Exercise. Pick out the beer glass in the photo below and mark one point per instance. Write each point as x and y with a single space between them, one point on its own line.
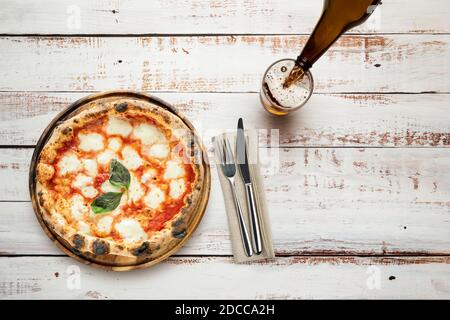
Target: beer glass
288 84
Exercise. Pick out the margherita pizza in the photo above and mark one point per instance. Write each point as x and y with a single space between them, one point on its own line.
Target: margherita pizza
120 179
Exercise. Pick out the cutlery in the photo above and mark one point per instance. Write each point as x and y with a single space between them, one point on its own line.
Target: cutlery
242 160
228 167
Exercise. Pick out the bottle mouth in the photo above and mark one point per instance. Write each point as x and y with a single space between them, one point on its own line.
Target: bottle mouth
303 63
295 75
290 97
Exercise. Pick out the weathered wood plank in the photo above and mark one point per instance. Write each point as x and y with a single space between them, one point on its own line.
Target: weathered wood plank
328 120
383 63
200 16
286 278
321 201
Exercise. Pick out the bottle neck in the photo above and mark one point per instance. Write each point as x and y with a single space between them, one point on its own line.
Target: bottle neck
303 63
337 17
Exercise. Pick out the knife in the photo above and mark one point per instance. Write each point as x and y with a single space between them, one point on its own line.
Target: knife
242 160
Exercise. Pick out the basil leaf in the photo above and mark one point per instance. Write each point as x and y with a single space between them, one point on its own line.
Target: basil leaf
119 176
106 202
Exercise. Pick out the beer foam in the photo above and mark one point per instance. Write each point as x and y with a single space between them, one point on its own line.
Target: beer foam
293 96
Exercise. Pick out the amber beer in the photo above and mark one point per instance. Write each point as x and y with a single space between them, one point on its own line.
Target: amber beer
287 84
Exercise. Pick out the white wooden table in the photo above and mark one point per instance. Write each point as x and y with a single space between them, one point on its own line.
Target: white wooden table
360 207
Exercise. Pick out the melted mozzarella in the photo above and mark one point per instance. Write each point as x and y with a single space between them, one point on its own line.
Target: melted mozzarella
148 175
104 224
135 191
58 218
81 180
154 197
83 183
148 134
69 163
130 230
174 169
83 227
158 151
108 187
115 144
118 126
90 165
89 192
91 142
131 158
177 188
105 157
123 201
77 207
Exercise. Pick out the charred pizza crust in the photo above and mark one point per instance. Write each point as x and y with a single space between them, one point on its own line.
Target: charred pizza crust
109 249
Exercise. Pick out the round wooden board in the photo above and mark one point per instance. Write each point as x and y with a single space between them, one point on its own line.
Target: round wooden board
109 263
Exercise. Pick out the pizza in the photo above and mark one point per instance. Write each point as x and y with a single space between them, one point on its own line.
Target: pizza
120 180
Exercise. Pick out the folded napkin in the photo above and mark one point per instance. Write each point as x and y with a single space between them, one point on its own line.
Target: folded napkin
236 241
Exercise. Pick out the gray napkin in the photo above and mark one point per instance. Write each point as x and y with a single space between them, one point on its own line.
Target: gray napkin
236 241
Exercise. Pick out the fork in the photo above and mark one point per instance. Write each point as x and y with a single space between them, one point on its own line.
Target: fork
228 167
